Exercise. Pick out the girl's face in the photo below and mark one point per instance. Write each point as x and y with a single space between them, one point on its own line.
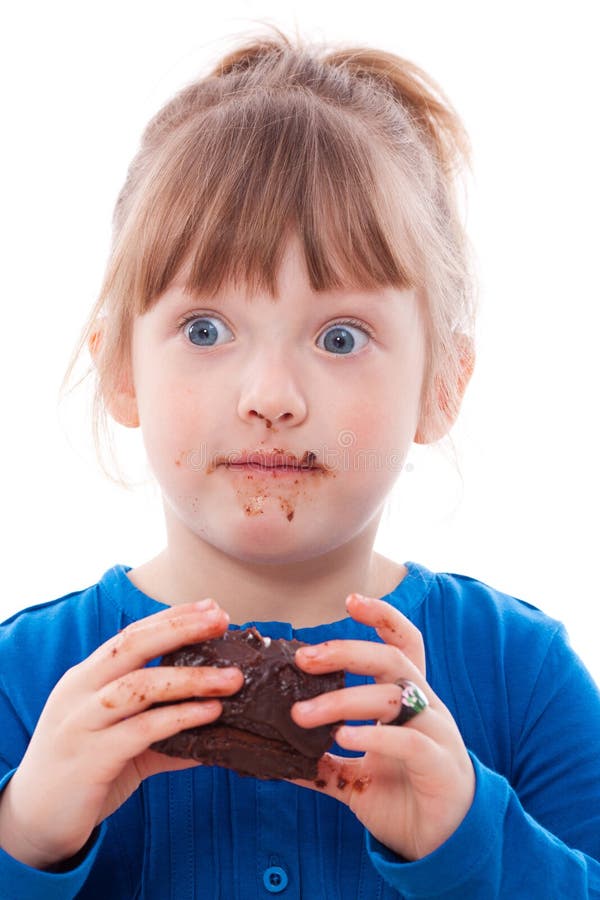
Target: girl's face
278 378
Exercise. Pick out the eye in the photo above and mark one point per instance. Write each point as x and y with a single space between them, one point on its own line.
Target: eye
200 329
339 336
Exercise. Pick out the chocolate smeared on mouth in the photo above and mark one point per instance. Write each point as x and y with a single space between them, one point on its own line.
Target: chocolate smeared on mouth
309 459
275 458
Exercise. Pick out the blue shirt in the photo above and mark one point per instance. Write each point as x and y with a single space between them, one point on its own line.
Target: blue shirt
528 711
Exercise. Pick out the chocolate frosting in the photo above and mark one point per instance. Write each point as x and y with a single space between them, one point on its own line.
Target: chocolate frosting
255 734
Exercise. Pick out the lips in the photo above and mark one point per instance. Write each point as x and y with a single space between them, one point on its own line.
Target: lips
274 459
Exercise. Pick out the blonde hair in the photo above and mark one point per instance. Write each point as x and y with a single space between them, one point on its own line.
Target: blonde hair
353 148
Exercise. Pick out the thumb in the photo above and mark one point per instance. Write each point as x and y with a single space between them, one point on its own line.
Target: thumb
337 776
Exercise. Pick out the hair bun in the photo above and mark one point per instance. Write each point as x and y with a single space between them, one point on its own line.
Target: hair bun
250 53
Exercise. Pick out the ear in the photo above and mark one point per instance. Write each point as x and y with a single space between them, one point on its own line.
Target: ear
426 433
119 395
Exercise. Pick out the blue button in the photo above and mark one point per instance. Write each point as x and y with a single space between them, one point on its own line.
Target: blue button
275 879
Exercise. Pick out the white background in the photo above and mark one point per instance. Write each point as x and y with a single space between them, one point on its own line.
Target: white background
80 81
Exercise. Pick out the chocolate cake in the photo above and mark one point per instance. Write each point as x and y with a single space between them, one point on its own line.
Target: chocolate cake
255 734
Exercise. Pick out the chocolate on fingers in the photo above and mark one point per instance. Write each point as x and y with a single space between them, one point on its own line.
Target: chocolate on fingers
145 639
142 688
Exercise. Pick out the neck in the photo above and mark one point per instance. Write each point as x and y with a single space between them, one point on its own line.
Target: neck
305 593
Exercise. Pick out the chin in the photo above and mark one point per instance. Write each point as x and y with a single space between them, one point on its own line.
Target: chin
269 544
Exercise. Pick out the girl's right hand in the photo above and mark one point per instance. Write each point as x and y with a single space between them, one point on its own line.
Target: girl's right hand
90 749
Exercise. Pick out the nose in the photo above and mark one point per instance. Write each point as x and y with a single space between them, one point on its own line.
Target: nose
270 392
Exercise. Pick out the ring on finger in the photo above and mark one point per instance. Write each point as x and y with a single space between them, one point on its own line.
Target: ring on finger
412 703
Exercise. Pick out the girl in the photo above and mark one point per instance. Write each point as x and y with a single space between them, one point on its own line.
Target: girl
287 306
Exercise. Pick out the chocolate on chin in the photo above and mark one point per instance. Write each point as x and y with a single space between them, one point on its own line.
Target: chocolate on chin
255 734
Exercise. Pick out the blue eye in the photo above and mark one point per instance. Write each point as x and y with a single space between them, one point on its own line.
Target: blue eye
340 340
201 331
343 339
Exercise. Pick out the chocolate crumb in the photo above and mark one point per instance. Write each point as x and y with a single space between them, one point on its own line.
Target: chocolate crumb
341 783
361 783
385 623
320 783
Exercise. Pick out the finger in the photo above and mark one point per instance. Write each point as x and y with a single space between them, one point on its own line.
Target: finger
420 753
337 776
364 658
381 661
390 624
153 636
135 735
376 701
142 688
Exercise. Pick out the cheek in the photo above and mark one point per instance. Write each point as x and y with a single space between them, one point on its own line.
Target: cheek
385 418
175 422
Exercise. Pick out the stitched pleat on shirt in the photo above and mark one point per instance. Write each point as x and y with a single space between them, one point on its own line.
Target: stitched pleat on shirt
212 836
237 840
319 841
181 837
159 858
242 811
339 850
303 822
365 877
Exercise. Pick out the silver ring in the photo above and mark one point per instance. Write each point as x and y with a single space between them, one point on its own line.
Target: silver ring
413 702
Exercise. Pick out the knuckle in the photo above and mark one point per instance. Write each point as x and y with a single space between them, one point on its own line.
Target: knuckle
71 676
106 699
412 740
416 640
178 620
399 656
146 724
119 643
177 684
126 682
69 683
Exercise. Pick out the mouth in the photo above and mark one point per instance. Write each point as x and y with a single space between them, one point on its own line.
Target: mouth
274 470
274 461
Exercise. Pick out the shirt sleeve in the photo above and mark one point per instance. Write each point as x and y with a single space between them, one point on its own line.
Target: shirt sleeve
536 835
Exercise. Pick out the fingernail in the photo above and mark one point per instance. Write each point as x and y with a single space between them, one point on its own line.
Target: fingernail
205 604
309 652
307 706
214 614
229 673
358 597
347 733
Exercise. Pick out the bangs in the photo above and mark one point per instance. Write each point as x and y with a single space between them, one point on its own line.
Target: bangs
230 186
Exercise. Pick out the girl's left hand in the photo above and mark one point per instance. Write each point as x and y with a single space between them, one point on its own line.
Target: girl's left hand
416 782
